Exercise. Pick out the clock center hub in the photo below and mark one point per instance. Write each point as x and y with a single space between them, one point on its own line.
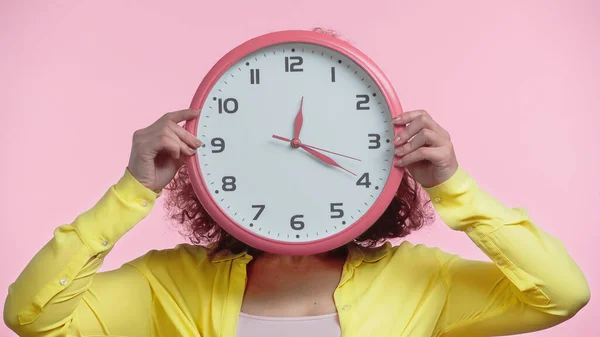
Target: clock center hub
295 143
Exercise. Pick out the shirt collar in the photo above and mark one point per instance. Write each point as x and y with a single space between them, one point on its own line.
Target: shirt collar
356 254
226 255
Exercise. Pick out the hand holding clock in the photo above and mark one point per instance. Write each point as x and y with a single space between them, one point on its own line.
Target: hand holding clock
429 156
158 150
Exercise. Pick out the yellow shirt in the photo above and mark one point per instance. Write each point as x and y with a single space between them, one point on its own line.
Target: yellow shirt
408 290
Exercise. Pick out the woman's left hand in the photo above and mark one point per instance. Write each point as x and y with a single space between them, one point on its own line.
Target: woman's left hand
429 156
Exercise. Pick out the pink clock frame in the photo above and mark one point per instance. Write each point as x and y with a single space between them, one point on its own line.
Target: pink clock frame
221 217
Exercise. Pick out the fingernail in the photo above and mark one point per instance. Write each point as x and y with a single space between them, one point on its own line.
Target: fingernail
398 151
397 140
198 142
398 162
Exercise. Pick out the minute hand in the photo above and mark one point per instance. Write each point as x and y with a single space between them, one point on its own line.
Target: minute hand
316 148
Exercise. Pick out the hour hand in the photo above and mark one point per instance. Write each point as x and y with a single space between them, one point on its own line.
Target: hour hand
298 121
324 158
313 151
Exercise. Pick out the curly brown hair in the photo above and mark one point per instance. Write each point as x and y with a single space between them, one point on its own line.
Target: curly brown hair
409 210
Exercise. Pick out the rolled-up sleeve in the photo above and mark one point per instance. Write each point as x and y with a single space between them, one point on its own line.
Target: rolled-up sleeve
531 282
49 291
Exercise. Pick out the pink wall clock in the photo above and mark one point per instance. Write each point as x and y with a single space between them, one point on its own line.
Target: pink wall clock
298 156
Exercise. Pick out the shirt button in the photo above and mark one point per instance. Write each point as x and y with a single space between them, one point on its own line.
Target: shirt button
501 262
346 307
470 229
64 281
144 203
437 200
105 243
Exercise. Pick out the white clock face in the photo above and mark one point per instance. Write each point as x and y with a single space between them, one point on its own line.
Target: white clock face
271 188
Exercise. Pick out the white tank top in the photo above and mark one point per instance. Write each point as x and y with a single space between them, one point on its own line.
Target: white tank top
306 326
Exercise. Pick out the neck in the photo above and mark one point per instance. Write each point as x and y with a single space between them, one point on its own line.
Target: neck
292 260
299 261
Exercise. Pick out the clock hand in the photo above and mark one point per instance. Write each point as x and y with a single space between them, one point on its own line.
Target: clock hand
298 121
323 158
297 143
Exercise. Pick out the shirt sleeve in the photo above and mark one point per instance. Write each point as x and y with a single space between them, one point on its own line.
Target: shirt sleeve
531 282
59 291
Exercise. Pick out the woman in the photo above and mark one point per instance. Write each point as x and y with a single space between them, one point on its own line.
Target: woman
227 289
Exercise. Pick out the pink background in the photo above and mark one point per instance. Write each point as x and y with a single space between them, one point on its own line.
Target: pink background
517 86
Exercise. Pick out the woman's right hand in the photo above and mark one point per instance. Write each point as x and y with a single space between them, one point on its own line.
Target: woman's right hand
159 150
